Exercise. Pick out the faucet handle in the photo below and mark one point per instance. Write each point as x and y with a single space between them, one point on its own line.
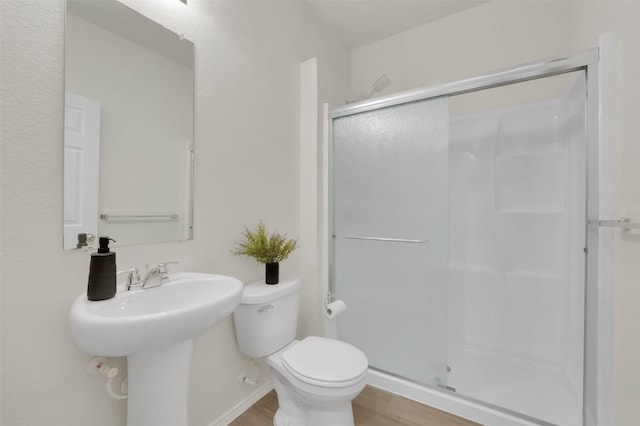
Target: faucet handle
133 276
163 266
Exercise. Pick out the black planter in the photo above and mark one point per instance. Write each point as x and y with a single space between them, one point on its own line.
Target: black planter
272 272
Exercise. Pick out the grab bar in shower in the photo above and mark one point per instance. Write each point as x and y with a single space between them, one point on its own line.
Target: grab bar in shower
624 223
391 240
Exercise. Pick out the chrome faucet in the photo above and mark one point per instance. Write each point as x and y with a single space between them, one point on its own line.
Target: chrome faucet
133 278
161 272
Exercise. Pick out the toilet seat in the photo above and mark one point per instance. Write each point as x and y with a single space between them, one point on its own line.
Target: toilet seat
325 362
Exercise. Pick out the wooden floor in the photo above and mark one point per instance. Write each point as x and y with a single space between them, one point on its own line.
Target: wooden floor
373 407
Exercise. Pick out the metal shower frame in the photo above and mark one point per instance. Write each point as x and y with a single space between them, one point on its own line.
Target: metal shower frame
595 384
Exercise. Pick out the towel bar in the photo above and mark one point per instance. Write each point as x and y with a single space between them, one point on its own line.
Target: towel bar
392 240
624 223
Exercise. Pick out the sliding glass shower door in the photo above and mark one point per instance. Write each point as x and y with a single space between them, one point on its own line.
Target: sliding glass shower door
390 242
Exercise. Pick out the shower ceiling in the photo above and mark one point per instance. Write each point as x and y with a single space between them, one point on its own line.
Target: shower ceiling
360 22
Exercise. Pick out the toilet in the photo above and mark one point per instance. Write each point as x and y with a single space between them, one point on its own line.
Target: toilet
315 378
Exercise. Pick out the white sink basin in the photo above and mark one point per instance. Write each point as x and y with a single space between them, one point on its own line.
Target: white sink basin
154 328
181 309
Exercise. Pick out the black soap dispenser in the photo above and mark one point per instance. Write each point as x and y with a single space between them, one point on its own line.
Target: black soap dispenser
102 272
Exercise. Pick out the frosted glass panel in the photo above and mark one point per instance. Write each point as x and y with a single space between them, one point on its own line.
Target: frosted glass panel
390 173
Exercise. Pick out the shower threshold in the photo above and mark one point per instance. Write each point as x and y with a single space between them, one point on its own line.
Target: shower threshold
452 402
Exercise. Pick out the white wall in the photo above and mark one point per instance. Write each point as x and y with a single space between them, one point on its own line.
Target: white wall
247 56
501 34
319 84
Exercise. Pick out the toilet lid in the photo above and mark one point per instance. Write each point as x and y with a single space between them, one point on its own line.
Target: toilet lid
325 360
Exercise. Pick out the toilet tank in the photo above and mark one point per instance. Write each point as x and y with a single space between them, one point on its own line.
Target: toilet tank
267 317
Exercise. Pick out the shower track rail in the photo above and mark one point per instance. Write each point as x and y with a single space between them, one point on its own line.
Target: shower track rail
522 73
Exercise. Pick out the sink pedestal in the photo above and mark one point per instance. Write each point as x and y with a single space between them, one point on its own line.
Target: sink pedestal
159 385
154 328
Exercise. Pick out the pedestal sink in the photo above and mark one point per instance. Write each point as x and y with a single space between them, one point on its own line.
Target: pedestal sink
154 328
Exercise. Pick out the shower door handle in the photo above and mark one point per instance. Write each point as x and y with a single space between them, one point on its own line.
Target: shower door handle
385 239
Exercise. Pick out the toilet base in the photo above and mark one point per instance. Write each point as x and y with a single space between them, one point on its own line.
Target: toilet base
295 409
338 416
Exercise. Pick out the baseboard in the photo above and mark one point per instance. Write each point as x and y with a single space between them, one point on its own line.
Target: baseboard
241 407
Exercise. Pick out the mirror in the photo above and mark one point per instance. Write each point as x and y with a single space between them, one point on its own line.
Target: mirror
128 127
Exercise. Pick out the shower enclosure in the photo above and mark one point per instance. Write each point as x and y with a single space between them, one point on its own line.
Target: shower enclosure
458 224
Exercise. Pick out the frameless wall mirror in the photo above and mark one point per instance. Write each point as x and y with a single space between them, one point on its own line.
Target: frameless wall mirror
128 127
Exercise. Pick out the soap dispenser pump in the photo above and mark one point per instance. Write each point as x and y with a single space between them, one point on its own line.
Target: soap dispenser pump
102 272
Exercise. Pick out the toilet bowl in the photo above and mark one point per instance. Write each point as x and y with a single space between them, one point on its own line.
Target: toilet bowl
315 378
313 389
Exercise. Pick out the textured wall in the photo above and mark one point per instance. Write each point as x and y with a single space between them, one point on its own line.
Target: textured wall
246 133
501 34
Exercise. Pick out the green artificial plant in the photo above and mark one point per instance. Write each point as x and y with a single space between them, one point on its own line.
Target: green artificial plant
265 247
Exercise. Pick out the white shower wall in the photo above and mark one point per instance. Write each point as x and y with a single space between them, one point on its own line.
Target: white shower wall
516 278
